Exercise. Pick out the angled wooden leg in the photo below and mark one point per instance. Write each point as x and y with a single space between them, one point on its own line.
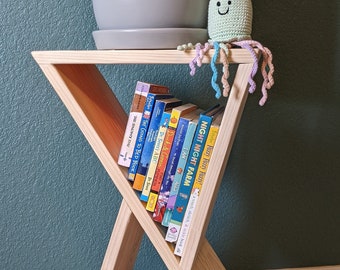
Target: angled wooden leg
206 258
125 240
124 243
225 139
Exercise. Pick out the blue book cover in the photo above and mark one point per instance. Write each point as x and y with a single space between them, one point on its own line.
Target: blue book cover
190 170
170 169
143 128
189 136
161 105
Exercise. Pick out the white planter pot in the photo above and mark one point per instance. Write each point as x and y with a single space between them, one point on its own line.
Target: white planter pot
144 24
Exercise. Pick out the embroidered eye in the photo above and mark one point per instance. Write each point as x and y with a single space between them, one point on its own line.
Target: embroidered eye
229 2
218 3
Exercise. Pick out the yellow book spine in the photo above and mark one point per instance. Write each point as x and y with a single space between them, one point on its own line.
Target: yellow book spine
206 155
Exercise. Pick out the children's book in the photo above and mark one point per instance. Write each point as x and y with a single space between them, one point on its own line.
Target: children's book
151 98
160 106
190 170
155 155
134 119
198 183
176 113
171 166
189 136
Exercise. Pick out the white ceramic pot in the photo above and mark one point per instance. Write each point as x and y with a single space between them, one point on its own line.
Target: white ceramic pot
127 14
143 24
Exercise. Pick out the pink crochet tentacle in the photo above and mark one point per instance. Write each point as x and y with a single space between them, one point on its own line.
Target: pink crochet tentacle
271 69
264 91
265 78
268 80
267 61
265 58
225 62
204 49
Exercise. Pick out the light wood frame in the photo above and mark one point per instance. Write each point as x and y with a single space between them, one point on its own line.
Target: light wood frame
101 118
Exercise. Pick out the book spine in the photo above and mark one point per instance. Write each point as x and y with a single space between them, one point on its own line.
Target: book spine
160 107
170 170
141 136
184 227
163 159
160 169
197 186
132 126
179 173
143 129
155 156
135 116
148 146
188 178
153 88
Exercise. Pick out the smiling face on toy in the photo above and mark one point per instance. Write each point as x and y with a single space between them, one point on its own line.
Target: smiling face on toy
230 20
223 10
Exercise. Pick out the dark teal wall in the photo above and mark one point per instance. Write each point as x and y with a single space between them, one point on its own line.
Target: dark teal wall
279 203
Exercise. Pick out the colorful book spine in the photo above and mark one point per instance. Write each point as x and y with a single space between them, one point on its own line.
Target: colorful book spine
155 156
170 169
197 186
190 171
151 98
165 152
134 119
160 106
189 136
173 161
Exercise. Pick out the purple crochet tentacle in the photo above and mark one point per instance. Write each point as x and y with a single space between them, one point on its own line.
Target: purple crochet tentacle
193 62
268 80
255 68
245 45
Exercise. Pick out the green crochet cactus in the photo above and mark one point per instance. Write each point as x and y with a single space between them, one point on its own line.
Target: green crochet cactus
230 20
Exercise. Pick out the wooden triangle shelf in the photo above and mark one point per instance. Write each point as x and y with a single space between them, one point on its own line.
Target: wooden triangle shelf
101 118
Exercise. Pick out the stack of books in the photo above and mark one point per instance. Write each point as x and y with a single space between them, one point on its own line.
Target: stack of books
167 148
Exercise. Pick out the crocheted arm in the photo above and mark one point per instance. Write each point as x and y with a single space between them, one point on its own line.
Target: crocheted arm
230 24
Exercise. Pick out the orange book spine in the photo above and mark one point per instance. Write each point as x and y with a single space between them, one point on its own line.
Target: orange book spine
160 169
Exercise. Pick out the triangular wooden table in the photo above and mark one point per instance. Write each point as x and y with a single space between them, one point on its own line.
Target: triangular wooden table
101 118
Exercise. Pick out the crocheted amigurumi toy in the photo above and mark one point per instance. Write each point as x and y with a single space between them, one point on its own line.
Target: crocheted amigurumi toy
230 25
230 20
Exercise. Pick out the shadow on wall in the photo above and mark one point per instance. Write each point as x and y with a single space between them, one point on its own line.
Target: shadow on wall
284 165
